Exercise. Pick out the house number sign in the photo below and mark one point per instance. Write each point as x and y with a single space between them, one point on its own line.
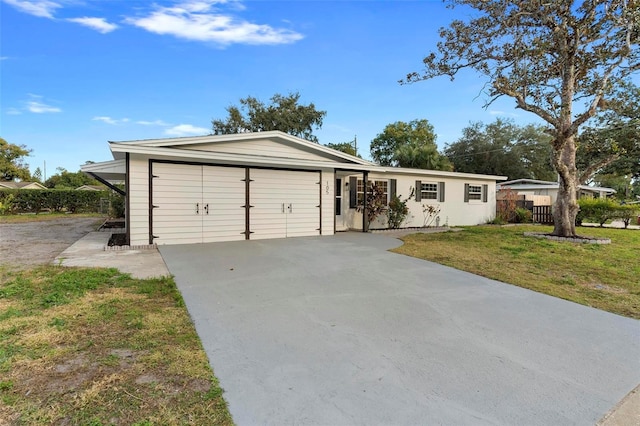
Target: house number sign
327 188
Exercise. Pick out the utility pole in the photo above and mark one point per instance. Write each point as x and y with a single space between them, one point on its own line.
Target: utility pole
355 145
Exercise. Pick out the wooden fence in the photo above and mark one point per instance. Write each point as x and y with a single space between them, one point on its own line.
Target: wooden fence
542 214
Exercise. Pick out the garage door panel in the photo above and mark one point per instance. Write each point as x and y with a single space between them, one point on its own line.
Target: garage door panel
284 199
176 190
223 192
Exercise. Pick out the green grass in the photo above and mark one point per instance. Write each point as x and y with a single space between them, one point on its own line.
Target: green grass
606 277
94 346
32 217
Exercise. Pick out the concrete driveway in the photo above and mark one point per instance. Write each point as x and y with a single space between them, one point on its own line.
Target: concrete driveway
337 330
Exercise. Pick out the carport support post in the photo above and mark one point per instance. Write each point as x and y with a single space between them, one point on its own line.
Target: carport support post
365 222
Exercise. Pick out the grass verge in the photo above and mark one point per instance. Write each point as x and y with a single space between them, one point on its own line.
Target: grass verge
606 277
96 347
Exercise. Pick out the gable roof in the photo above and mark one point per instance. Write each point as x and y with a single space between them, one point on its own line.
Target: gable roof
22 185
157 146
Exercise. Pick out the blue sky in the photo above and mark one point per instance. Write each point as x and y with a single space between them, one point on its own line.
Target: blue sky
78 73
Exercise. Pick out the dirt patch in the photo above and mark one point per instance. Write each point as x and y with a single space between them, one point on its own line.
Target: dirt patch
39 242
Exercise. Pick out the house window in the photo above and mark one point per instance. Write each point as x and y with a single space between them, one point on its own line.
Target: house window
429 191
382 184
475 192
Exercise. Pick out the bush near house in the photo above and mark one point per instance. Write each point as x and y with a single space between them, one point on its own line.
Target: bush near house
72 201
601 210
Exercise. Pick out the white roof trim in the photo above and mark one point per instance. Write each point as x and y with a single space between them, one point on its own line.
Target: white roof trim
113 166
195 140
550 185
256 160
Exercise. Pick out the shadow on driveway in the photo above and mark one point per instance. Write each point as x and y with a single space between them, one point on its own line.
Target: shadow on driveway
337 330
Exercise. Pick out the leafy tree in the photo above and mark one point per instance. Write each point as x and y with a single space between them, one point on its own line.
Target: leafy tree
503 148
284 114
37 175
411 144
346 147
12 165
612 146
559 59
68 180
418 156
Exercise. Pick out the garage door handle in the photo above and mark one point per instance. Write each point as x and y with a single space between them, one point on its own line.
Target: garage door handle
290 208
282 207
197 208
206 208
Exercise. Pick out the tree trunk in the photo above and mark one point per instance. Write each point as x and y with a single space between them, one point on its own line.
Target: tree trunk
566 206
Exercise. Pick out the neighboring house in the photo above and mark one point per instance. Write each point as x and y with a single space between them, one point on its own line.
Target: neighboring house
532 187
91 188
270 185
21 185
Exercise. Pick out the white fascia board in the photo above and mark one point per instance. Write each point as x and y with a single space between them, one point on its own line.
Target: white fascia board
231 159
195 140
436 173
113 166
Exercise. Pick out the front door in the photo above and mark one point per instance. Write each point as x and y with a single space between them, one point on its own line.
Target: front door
339 206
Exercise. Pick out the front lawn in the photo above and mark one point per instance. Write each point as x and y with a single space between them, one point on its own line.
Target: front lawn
96 347
606 277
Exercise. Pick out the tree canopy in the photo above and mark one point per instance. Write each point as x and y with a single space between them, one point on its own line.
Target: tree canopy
346 147
284 113
559 59
503 148
612 146
69 180
12 165
411 144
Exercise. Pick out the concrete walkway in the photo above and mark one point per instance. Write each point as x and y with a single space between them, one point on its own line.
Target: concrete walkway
90 251
337 330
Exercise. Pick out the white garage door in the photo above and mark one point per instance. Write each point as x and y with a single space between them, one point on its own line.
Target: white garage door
284 204
195 204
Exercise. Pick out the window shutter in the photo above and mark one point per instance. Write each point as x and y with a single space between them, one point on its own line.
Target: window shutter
485 190
392 188
418 190
353 195
466 192
441 192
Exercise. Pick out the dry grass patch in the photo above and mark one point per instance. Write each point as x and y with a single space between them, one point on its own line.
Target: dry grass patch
606 277
93 346
31 217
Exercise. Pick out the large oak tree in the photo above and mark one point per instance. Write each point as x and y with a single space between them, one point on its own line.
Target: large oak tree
285 113
559 59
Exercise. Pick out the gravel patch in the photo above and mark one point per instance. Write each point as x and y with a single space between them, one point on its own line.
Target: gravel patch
36 243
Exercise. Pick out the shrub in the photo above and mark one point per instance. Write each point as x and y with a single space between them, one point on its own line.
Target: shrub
37 200
6 204
397 212
599 210
626 213
522 215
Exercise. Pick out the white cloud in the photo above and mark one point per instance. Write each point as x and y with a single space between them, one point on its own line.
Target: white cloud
200 21
109 120
14 111
40 8
152 123
98 24
37 106
2 58
186 129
